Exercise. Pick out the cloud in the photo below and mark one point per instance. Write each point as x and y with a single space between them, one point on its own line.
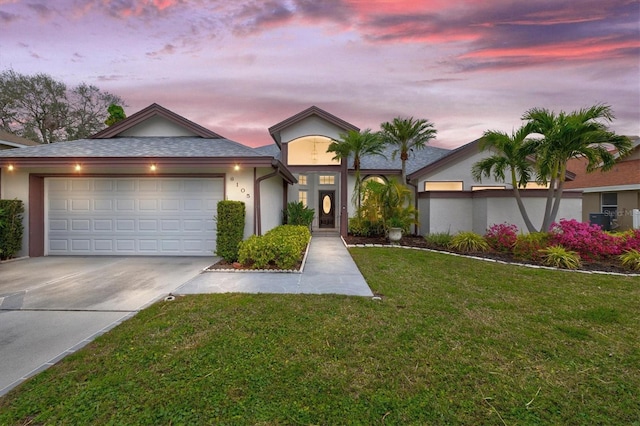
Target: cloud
168 49
257 17
42 10
8 18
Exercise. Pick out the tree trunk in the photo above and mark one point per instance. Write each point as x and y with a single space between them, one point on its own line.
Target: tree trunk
521 207
558 197
549 203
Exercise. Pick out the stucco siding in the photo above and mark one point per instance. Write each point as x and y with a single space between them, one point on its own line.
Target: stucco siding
15 185
157 126
460 171
310 126
450 215
270 201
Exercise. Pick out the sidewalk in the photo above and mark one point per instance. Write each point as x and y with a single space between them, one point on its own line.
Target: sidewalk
329 269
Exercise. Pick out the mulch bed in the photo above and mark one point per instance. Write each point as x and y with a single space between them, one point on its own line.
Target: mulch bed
223 265
420 242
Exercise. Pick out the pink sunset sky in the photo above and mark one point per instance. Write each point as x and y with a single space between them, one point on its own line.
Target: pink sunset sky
238 67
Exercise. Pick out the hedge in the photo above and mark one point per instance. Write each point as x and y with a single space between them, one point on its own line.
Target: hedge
11 228
280 248
230 229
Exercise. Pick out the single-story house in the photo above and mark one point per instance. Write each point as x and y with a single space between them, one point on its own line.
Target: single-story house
149 185
614 193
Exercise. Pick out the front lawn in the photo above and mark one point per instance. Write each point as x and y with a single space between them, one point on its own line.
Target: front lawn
453 341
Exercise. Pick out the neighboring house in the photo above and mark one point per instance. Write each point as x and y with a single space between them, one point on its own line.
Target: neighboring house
10 141
615 193
148 185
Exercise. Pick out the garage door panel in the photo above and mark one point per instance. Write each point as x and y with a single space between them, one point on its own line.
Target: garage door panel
83 205
143 216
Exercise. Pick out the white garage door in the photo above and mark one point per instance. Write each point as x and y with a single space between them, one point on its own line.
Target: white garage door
132 216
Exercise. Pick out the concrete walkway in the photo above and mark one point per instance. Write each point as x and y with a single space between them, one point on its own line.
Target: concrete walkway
329 269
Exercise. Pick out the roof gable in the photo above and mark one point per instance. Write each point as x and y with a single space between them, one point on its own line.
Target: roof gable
276 129
15 141
150 113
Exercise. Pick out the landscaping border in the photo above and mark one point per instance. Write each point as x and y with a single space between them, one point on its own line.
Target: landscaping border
527 265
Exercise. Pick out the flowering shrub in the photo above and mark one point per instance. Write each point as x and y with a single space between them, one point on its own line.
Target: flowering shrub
530 246
589 241
502 237
630 240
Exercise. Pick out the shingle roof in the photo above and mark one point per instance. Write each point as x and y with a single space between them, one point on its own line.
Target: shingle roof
136 147
417 159
271 150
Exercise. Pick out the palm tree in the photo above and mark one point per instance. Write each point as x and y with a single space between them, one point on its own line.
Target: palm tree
356 145
581 133
511 154
407 134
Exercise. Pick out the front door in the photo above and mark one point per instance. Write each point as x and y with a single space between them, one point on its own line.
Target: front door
327 209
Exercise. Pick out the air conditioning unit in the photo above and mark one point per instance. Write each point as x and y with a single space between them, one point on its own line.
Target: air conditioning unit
636 218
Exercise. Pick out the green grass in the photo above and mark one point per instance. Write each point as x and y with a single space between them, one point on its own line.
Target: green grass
453 341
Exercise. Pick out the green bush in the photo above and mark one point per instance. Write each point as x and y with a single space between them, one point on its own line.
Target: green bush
279 248
559 257
360 227
298 214
230 229
438 239
466 242
631 259
11 229
529 246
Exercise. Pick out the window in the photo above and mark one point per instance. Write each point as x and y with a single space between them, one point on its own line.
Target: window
536 185
302 180
374 178
302 197
327 180
443 186
311 150
483 187
609 203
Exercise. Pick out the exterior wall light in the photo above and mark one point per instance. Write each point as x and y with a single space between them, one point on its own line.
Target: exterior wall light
78 167
153 167
10 167
236 167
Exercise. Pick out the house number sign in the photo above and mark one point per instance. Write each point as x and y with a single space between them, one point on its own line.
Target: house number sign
241 190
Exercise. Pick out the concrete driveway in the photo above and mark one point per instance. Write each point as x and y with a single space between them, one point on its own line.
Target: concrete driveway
52 306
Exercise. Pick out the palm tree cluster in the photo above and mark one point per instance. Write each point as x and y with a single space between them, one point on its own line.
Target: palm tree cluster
541 148
404 134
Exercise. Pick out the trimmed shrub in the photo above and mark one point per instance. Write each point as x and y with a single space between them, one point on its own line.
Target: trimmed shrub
279 248
529 246
502 237
11 229
298 214
466 242
230 229
560 257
